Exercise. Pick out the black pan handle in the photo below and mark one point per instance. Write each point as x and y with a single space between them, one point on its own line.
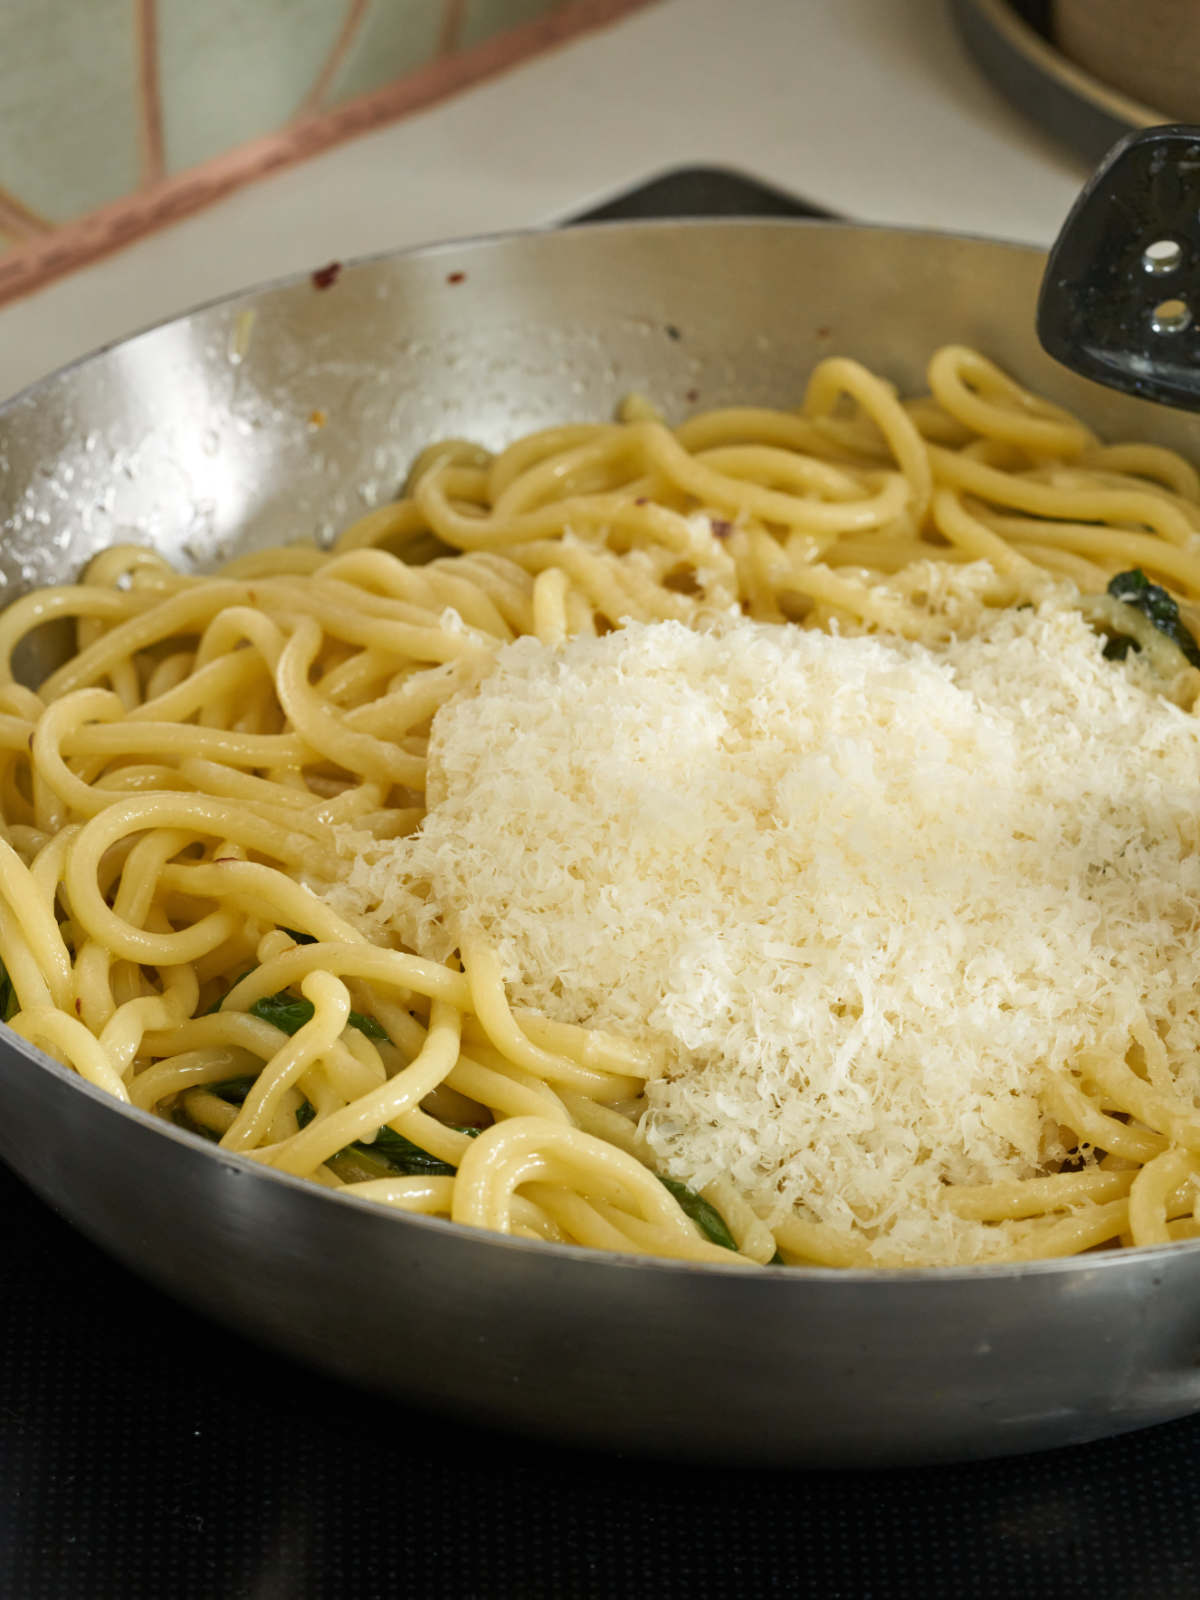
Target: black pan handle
1120 299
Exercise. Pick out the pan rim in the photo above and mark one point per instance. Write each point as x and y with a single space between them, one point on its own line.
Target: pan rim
480 242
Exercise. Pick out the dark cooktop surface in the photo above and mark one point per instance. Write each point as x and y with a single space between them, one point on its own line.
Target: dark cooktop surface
147 1455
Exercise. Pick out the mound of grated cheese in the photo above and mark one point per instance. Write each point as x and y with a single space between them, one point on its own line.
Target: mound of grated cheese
863 894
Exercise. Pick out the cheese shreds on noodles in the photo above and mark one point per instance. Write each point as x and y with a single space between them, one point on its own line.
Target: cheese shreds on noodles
864 895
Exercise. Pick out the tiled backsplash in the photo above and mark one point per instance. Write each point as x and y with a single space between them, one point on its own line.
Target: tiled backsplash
106 104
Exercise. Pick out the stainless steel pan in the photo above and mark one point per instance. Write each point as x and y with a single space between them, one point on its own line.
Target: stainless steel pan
201 436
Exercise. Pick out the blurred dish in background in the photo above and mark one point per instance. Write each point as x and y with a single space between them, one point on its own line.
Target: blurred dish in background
1019 46
1149 49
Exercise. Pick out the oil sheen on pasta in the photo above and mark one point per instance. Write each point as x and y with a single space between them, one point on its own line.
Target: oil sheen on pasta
762 839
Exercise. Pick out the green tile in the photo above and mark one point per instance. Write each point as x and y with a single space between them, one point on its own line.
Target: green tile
484 18
68 104
395 38
232 69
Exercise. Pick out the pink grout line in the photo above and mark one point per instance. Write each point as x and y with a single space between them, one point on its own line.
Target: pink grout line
355 16
453 15
150 119
16 218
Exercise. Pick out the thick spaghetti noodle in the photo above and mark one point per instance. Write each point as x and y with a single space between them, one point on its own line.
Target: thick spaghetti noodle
175 797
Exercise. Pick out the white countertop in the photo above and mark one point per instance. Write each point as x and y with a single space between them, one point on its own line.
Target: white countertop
868 107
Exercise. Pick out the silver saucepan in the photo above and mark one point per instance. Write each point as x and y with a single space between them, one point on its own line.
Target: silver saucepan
283 413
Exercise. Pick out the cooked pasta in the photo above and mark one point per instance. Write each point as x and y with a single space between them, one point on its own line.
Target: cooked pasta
192 800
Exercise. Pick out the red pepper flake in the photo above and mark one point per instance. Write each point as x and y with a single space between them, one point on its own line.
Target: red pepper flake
642 500
721 529
823 332
78 1007
692 396
220 861
326 277
456 277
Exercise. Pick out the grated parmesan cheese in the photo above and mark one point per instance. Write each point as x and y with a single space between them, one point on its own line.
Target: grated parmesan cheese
863 894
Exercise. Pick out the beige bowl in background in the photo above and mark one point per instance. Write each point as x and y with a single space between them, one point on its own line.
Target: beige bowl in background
1149 49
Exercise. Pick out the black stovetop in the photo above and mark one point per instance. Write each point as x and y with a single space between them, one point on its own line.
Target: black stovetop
148 1455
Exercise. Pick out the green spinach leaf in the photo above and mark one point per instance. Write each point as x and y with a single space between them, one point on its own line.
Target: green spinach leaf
9 1004
707 1218
397 1154
1158 606
289 1013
